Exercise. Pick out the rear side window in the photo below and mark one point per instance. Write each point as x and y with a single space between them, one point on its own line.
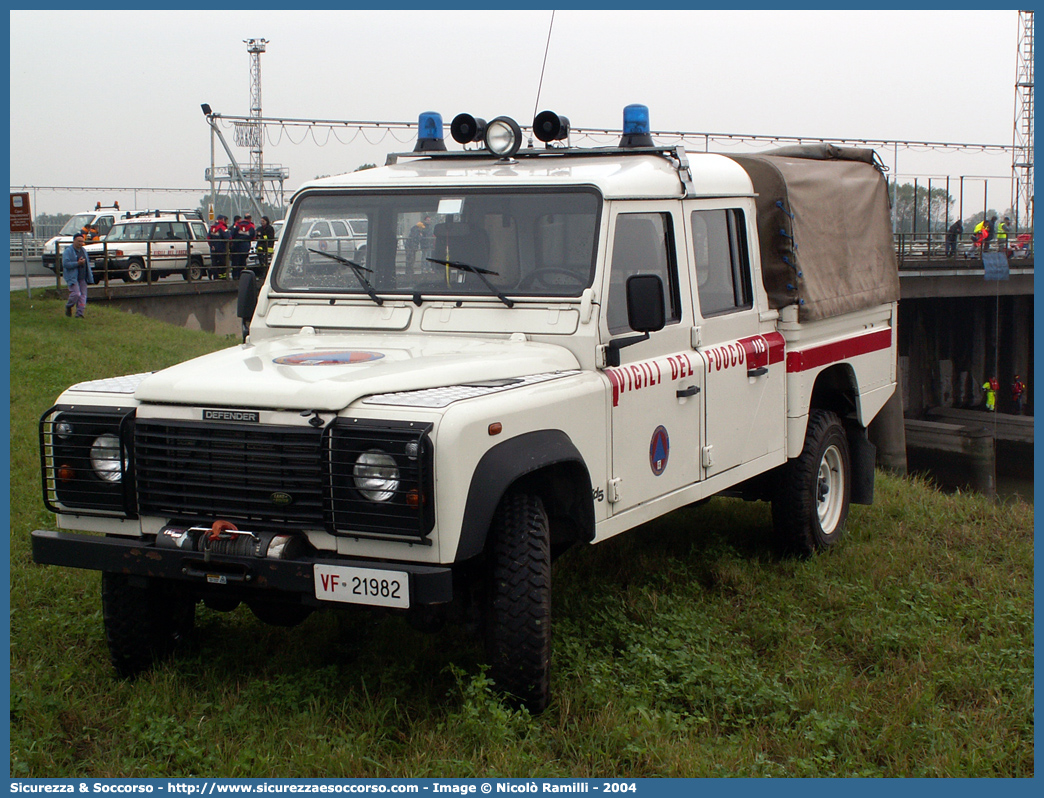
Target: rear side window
719 240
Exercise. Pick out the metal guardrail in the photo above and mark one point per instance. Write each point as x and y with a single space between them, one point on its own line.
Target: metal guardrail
921 248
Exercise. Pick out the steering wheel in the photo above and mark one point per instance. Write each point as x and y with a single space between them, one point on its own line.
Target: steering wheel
572 279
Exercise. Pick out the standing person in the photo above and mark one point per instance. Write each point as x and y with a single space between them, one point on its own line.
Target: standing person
416 240
1018 390
76 269
242 233
265 243
991 227
217 238
955 232
1002 233
979 234
991 387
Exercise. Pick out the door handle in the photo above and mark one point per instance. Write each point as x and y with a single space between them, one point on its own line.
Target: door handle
757 372
692 390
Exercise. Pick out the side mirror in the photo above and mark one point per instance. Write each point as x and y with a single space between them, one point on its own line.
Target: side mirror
247 301
645 305
645 313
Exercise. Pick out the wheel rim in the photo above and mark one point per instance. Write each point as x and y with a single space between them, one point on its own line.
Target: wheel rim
134 271
830 490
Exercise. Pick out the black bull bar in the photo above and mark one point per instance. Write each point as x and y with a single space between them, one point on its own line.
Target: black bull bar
429 584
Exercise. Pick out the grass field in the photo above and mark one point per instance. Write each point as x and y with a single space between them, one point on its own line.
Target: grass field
683 649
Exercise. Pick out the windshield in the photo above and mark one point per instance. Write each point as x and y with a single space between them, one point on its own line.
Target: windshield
75 224
427 243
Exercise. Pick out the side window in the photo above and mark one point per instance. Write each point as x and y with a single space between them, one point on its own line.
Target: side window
320 229
179 230
104 225
643 244
199 231
162 232
340 229
719 239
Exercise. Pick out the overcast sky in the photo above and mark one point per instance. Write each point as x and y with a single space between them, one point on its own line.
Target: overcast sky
123 108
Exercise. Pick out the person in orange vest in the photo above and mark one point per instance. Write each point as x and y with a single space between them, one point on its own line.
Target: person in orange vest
991 386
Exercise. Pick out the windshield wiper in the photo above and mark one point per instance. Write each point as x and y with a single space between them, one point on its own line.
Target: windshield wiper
357 270
478 272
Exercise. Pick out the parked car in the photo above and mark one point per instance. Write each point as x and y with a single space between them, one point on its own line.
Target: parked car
344 237
167 242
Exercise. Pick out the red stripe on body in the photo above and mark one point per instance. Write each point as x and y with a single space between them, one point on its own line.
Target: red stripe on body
816 356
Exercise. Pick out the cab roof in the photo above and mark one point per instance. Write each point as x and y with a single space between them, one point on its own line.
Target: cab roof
653 173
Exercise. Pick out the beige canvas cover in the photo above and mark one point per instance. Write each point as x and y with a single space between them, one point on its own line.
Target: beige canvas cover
825 229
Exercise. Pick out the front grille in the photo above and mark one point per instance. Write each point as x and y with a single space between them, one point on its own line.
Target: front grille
285 477
265 474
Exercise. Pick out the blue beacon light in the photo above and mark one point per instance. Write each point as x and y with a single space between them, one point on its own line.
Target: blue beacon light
429 133
636 127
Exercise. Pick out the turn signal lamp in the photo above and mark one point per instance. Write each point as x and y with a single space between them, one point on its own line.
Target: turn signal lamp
466 128
549 126
429 133
636 127
503 137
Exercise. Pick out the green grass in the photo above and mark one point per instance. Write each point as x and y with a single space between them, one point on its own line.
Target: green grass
684 648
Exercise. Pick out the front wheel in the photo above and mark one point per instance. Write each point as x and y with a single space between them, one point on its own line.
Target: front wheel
145 619
518 601
811 502
135 271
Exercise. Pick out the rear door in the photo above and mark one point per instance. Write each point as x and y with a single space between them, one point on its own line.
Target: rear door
745 372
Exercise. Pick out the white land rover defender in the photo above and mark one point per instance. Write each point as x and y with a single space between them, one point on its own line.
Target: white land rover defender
595 337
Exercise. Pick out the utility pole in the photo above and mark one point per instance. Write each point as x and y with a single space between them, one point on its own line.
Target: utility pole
1022 142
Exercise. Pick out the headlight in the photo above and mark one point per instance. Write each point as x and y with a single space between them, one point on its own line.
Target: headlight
105 458
376 476
503 137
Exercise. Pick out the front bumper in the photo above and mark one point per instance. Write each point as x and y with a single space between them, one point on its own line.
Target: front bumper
238 574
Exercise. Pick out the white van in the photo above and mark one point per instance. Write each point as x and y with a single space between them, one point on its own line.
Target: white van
94 223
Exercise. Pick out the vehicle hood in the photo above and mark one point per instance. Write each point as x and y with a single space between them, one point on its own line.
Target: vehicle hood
329 372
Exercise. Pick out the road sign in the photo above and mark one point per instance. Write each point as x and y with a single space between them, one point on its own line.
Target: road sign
21 216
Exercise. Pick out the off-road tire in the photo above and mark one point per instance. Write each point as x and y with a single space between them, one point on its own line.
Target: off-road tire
518 601
143 623
135 272
810 505
194 271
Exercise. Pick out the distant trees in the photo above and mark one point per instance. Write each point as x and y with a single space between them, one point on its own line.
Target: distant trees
933 212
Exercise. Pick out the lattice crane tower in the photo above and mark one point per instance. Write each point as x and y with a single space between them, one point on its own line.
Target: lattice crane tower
1022 144
253 133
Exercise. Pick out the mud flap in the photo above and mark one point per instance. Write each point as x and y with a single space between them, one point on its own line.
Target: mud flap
863 455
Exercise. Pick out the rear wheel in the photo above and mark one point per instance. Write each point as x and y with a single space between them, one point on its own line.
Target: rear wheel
135 271
811 503
518 601
145 620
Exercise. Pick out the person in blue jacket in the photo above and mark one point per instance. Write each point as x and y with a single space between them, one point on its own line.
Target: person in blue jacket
76 269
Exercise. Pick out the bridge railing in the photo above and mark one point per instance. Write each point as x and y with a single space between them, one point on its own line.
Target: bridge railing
917 249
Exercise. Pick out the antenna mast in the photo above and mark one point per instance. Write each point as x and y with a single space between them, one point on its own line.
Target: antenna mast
252 134
1022 143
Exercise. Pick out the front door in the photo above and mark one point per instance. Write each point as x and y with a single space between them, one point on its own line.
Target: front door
656 402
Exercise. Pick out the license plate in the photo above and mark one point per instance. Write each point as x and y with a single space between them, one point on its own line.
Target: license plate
370 586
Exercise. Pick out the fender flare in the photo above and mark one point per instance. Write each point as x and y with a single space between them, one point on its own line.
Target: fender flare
502 466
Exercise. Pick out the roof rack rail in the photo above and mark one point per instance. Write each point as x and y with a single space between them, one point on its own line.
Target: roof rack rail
178 213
